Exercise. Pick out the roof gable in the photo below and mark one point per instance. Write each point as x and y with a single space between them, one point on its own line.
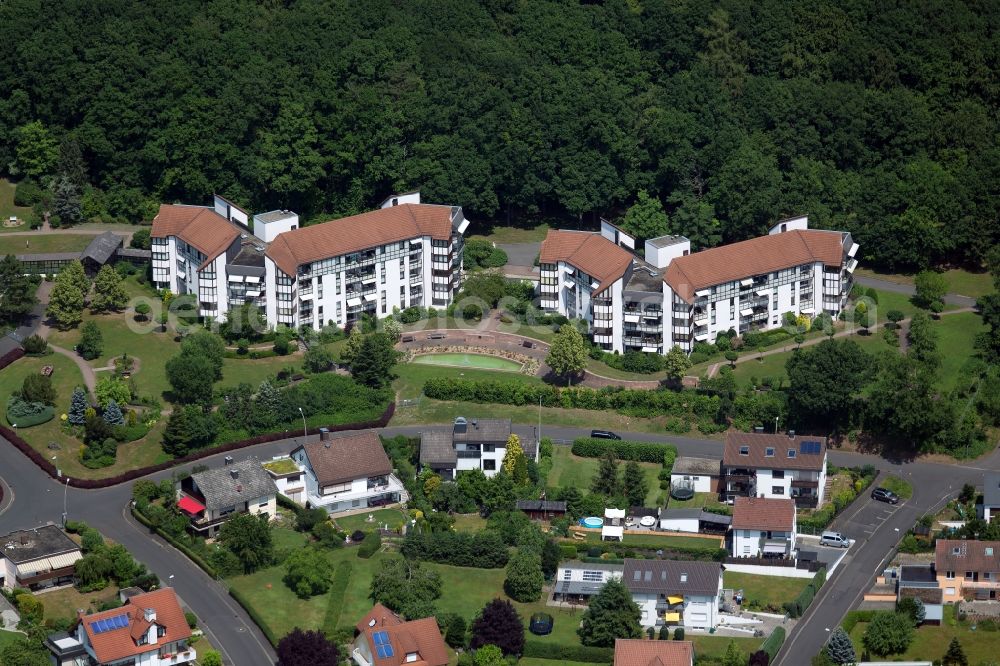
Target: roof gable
199 226
588 251
113 633
221 489
962 555
390 639
639 652
764 513
342 459
672 577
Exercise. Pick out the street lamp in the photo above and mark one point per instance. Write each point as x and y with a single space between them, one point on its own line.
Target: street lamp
305 431
65 488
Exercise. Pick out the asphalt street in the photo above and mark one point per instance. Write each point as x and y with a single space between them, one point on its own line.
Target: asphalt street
908 289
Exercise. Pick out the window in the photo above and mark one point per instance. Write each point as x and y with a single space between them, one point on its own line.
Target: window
956 551
793 299
949 575
989 551
746 549
489 464
791 453
263 502
949 591
777 490
593 576
777 474
968 575
161 631
744 450
769 452
567 574
684 578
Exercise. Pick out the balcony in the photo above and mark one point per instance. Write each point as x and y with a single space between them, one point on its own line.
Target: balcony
806 501
804 483
468 454
391 485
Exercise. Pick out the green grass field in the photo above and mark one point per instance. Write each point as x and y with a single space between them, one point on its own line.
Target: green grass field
930 643
468 361
254 371
956 343
7 207
771 590
960 281
698 501
11 636
359 521
39 244
570 470
499 234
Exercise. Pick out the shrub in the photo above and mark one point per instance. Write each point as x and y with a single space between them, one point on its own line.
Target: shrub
35 344
773 643
679 634
567 652
484 550
624 449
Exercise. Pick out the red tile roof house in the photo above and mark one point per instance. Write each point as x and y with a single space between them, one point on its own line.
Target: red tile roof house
967 569
774 465
638 652
385 639
763 527
149 630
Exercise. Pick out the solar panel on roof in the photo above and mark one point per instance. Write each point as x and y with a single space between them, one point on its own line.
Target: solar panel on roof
810 446
383 651
380 637
108 624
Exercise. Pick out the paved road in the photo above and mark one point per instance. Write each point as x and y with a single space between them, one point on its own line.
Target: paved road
909 290
520 254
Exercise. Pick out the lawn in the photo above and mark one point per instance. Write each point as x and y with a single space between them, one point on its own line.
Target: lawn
765 590
956 339
677 541
698 501
469 522
930 643
569 470
11 636
40 244
63 603
286 537
7 207
714 647
254 371
513 234
411 377
960 281
359 521
900 486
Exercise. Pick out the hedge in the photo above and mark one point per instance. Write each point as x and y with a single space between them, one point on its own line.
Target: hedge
563 652
50 469
631 402
772 644
625 449
286 503
693 552
29 420
341 578
798 607
482 550
371 545
853 617
252 612
11 356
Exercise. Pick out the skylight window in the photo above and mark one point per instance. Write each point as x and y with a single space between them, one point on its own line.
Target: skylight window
769 452
744 450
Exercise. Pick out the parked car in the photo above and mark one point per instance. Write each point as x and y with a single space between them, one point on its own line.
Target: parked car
885 495
603 434
835 539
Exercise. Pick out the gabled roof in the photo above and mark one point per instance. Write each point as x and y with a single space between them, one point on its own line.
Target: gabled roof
30 545
102 247
991 489
199 226
343 459
359 232
961 555
690 578
541 505
588 251
764 513
119 642
639 652
221 489
757 256
757 445
380 626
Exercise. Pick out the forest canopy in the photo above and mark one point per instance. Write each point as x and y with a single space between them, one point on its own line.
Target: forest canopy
878 118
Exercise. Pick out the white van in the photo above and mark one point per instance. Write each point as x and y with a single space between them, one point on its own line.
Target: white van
835 539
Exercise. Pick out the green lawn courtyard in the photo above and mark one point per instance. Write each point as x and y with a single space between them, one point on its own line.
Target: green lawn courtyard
959 280
39 244
8 209
573 471
930 642
765 590
394 518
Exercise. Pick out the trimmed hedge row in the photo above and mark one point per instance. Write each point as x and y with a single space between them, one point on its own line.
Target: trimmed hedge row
773 643
798 607
131 475
252 612
631 402
341 578
563 652
10 357
625 449
482 550
29 420
853 617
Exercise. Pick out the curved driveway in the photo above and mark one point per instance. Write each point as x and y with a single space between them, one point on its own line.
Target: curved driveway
38 499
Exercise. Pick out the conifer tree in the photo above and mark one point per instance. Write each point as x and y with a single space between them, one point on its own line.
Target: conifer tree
840 648
113 414
78 407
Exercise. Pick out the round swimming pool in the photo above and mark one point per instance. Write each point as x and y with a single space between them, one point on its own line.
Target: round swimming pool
592 521
481 361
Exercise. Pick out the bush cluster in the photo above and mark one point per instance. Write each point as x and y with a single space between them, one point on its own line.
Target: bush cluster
797 607
25 414
820 520
625 449
565 652
642 363
483 550
773 643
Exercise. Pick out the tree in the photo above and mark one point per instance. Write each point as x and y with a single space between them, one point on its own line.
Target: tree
74 273
208 346
402 585
308 572
923 341
824 380
66 201
489 655
372 366
352 347
191 376
65 304
141 239
142 311
676 363
77 406
930 287
91 343
113 414
112 388
612 614
646 218
734 656
392 328
914 608
888 633
37 150
955 656
317 359
38 388
307 648
524 579
17 290
109 291
24 652
903 403
840 648
895 316
454 632
189 427
634 484
568 353
248 537
731 356
605 482
515 463
551 554
499 624
725 52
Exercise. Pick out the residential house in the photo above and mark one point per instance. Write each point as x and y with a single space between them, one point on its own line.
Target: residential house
576 582
675 593
542 509
919 582
148 630
287 477
349 472
405 254
763 527
39 558
967 569
672 296
700 475
384 639
213 496
989 510
694 521
470 444
638 652
774 465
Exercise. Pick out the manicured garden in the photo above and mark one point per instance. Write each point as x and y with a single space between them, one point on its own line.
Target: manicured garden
764 590
8 209
931 642
570 470
43 244
700 500
393 518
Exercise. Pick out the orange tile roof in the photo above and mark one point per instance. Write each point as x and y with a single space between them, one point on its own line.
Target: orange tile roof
359 232
588 251
763 513
764 254
964 555
422 637
758 443
202 227
638 652
116 644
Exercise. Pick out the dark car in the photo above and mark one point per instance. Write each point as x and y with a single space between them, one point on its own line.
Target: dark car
603 434
885 495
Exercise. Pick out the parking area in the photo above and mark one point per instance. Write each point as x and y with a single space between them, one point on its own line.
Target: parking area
860 523
809 549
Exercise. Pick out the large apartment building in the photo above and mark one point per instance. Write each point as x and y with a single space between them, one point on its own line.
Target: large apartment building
404 254
673 297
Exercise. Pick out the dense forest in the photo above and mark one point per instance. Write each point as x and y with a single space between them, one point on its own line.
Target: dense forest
877 116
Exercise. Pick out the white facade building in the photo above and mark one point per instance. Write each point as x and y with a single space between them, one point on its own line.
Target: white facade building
402 255
577 582
763 527
674 297
775 465
683 594
470 444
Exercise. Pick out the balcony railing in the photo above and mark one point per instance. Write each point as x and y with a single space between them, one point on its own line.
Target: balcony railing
804 483
468 454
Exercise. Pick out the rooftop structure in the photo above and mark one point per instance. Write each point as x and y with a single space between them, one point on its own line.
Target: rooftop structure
764 514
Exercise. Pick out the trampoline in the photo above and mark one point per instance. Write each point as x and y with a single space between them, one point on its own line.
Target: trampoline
541 624
681 493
